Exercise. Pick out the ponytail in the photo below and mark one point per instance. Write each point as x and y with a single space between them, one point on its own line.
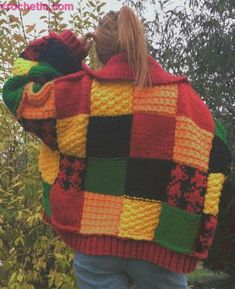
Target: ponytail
124 32
132 41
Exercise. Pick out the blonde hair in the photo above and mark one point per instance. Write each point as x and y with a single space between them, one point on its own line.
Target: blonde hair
123 32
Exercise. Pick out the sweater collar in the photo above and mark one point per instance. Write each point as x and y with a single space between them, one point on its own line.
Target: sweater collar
117 68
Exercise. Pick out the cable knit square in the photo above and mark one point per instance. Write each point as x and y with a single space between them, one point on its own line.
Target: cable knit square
139 219
110 98
148 178
160 99
101 214
177 229
192 144
72 135
152 136
109 136
106 175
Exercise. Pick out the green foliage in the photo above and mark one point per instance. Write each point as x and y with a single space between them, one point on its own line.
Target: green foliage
31 255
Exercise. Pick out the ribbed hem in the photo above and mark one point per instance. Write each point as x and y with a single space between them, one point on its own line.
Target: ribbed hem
148 251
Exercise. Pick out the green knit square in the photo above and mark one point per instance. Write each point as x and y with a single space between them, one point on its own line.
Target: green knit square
46 198
178 229
220 130
106 175
12 92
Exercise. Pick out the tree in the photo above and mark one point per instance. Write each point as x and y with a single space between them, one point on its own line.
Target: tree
32 256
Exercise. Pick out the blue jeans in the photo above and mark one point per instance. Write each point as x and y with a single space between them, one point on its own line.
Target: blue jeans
108 272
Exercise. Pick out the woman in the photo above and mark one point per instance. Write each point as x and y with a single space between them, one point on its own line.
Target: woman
129 159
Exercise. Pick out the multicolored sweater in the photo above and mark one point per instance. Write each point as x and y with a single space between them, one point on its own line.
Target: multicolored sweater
126 172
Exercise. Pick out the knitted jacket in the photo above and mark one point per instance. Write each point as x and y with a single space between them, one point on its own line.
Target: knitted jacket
125 171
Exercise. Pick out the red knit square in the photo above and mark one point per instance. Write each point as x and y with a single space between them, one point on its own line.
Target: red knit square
72 95
66 195
192 106
207 230
152 136
66 207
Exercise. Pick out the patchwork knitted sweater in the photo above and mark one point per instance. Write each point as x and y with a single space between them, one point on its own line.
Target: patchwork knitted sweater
125 171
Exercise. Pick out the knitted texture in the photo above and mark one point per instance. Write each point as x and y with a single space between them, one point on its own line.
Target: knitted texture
120 165
214 188
105 218
48 164
37 105
161 99
71 134
109 98
192 144
22 66
139 219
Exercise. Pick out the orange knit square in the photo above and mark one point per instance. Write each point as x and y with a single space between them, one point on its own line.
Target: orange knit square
101 214
160 99
38 105
139 218
192 144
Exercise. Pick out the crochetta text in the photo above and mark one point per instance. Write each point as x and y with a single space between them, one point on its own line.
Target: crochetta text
37 6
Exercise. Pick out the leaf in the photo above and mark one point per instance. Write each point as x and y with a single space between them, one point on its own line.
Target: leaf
25 12
30 28
99 7
13 19
91 4
42 31
63 26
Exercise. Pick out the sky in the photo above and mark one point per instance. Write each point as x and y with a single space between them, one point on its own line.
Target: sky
33 16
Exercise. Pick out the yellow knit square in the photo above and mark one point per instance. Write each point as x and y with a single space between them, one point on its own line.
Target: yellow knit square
48 164
139 219
22 66
72 135
212 197
111 98
161 99
101 214
192 144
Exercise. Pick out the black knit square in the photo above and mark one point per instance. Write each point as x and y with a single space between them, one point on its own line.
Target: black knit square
220 157
109 136
148 178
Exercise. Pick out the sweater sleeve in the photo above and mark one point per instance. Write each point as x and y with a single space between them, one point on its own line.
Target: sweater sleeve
29 93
